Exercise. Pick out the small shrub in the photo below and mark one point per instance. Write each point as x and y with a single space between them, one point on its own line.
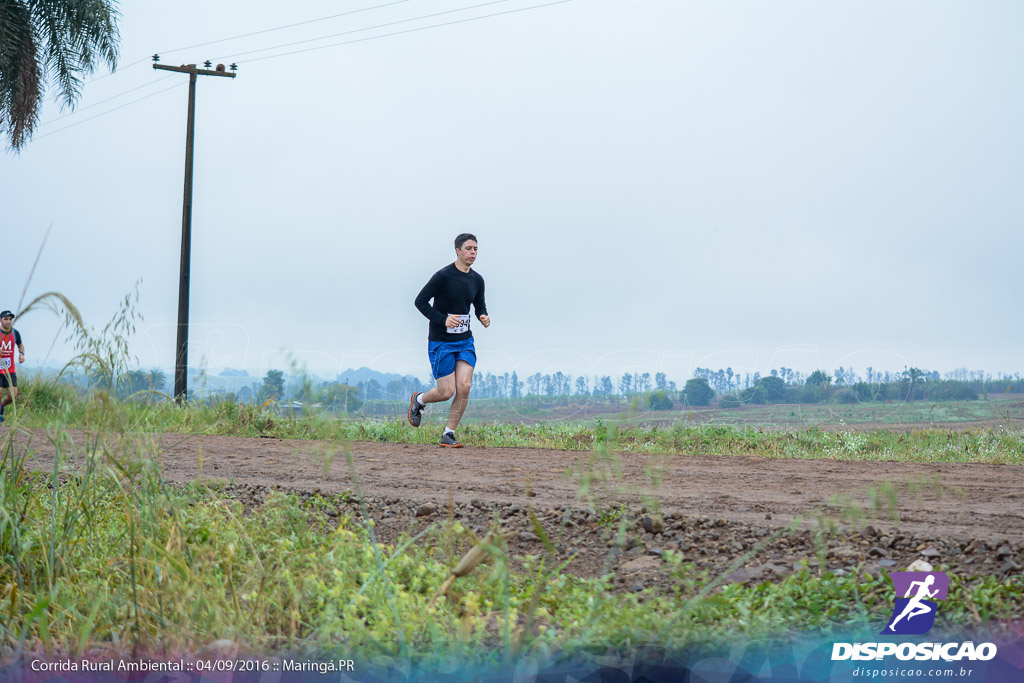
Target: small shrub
754 394
659 400
845 396
730 401
698 392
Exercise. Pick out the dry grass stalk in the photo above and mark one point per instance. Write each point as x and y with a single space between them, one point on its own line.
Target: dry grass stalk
473 558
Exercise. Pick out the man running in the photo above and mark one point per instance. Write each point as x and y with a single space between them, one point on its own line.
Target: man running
450 346
9 338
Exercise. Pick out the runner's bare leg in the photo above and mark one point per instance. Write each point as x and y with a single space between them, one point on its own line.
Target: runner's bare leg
444 390
463 382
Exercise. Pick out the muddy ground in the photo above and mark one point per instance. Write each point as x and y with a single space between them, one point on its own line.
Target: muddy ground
728 514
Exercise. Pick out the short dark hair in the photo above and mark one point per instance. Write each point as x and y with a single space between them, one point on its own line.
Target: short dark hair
461 239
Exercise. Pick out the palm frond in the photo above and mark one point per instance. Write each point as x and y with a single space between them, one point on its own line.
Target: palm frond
21 76
60 40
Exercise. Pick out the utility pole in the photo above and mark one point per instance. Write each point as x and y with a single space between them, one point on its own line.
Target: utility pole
181 354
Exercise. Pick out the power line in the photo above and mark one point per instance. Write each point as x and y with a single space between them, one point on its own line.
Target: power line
358 30
126 104
281 28
254 33
118 71
96 104
321 47
412 30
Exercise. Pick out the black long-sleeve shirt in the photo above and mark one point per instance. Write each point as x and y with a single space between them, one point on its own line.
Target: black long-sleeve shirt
452 291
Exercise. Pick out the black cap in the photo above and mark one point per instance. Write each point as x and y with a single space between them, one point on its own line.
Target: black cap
6 314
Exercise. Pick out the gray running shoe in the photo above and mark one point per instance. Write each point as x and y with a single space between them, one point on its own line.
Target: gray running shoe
415 410
448 440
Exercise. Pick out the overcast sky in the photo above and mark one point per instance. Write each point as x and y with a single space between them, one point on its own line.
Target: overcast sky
656 185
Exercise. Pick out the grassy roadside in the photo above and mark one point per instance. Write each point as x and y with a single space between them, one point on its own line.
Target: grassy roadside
41 404
108 556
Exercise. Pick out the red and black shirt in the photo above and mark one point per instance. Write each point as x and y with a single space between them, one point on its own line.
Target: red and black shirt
9 343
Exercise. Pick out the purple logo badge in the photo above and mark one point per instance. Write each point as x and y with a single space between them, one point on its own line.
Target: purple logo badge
915 608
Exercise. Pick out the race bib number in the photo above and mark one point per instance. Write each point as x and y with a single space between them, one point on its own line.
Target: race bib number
463 325
5 363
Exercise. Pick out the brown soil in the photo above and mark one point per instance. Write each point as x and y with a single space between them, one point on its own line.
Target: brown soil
967 517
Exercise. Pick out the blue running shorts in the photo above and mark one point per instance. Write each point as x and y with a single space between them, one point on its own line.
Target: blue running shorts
444 354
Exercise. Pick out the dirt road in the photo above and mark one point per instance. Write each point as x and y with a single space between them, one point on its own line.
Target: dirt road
965 501
725 514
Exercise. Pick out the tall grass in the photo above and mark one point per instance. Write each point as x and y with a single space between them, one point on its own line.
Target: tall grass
112 559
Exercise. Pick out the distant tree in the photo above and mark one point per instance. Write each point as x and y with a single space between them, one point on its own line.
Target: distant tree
845 376
914 377
373 390
846 395
754 394
273 386
582 389
817 378
132 383
774 389
698 392
393 389
661 381
730 401
626 383
345 397
645 383
491 387
515 386
659 400
304 389
533 384
157 380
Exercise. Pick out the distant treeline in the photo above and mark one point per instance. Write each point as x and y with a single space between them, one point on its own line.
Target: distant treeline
723 388
707 387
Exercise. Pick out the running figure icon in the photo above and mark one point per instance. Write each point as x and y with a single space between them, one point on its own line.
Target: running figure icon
916 607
